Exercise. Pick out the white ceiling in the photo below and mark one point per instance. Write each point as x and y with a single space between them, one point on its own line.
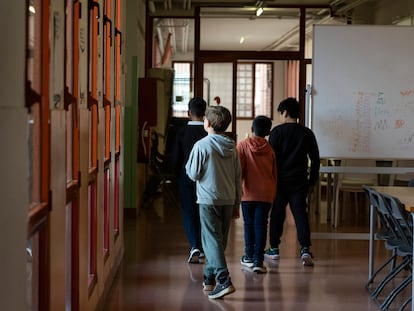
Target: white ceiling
223 23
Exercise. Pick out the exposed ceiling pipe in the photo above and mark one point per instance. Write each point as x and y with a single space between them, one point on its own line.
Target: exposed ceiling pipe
184 41
350 6
283 39
171 30
294 34
160 39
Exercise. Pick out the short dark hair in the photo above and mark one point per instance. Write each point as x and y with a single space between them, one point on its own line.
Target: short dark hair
197 107
261 126
291 105
219 118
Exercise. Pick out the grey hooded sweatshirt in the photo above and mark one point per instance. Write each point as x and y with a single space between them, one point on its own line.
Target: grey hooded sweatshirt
214 165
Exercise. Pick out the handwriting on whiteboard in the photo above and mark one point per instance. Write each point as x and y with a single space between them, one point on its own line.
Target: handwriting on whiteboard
375 119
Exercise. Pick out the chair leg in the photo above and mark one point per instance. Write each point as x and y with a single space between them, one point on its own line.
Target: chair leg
405 303
406 261
336 209
355 194
386 303
390 261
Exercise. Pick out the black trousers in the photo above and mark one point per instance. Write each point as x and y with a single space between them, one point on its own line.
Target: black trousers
295 194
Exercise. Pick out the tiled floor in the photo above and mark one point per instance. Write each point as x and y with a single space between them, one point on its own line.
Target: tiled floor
156 276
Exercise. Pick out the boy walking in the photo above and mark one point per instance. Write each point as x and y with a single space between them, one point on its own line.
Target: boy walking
186 138
214 165
295 147
258 163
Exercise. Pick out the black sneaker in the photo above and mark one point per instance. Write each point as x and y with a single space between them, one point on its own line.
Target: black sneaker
306 257
222 289
259 268
194 256
246 261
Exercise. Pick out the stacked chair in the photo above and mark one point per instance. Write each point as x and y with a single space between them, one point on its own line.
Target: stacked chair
396 231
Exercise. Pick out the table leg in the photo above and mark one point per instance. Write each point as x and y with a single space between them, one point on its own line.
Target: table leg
318 196
335 204
328 197
371 241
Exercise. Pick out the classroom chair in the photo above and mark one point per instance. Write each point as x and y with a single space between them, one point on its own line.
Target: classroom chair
352 182
402 227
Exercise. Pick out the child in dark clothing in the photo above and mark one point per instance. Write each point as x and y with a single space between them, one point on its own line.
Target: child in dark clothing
258 163
185 139
298 164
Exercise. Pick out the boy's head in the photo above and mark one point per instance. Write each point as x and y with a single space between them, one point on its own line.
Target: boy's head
291 106
219 118
197 107
261 126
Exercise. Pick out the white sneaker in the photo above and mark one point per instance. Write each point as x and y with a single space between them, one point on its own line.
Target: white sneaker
306 257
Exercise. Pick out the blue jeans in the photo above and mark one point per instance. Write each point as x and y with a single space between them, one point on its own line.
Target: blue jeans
255 216
190 211
215 225
296 195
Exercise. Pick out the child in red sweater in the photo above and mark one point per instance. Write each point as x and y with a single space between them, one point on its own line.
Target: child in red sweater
258 164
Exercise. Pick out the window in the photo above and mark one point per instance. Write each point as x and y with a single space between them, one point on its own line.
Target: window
254 90
183 88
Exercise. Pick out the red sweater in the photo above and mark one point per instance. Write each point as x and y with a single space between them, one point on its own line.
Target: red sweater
258 165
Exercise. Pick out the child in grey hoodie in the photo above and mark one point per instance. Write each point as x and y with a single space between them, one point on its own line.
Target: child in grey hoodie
214 165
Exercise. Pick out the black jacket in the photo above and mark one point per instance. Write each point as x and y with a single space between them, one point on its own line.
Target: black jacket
297 153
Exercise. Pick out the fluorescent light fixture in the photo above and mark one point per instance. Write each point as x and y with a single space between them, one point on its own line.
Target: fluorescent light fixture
241 40
259 11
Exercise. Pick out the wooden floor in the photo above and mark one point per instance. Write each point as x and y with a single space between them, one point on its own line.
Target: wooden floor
155 274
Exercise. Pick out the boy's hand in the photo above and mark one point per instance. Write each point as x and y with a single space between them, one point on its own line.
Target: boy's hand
236 211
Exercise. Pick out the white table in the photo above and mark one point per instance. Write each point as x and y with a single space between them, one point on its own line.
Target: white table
356 170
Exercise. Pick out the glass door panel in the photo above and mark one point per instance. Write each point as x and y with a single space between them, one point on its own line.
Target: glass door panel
218 87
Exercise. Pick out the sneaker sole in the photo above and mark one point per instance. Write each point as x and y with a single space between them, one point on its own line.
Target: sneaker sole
247 264
224 292
259 270
194 259
307 261
273 257
208 288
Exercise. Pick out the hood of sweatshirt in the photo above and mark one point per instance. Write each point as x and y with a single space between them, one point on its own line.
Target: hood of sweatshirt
224 145
258 144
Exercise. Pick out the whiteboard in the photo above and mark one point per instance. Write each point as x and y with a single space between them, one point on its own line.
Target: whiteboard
363 91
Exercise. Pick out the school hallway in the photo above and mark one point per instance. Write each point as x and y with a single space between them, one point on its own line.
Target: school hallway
155 274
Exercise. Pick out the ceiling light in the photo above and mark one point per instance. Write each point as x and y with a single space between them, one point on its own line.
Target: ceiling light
241 40
259 11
